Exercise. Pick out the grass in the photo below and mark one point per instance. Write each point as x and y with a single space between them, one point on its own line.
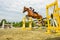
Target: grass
18 34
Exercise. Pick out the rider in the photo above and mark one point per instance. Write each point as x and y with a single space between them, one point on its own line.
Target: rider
33 9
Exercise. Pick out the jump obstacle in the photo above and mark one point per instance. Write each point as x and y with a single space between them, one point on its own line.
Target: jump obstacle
56 15
6 25
30 23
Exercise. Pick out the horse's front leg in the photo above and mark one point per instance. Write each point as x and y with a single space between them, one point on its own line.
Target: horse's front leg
27 17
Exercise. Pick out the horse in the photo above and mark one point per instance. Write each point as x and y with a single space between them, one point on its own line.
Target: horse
31 13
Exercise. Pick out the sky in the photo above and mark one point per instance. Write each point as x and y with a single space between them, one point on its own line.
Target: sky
12 10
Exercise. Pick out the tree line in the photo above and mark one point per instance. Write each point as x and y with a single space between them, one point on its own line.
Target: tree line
16 24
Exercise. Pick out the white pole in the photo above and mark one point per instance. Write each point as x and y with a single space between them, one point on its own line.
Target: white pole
3 24
11 25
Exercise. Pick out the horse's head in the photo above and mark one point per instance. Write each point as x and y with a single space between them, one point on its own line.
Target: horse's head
25 9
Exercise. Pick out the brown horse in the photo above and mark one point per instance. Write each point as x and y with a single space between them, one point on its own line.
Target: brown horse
31 13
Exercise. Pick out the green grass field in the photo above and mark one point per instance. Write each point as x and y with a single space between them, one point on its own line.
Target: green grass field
18 34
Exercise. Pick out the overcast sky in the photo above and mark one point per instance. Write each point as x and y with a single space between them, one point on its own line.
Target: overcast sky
12 9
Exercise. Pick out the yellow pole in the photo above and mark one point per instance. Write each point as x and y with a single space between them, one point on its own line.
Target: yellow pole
48 29
23 27
30 23
57 17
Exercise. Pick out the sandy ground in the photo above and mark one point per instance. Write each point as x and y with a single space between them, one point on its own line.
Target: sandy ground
18 34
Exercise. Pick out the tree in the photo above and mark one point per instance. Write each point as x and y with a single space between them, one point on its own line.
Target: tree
2 21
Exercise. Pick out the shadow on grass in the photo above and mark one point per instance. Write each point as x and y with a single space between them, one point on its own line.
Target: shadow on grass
56 38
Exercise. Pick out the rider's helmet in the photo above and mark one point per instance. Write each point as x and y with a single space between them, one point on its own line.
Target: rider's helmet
30 7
